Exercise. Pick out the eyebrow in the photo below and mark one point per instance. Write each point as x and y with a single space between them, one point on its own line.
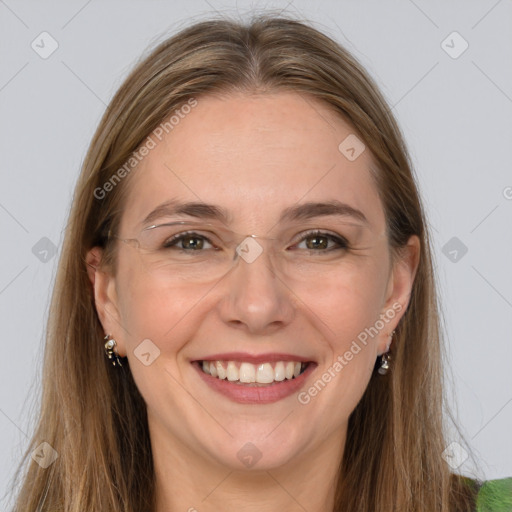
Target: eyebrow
302 211
311 210
191 209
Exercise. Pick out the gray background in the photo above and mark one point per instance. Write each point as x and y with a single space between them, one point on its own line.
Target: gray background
455 114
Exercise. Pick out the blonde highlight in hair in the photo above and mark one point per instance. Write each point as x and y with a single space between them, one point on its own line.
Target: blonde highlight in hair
93 414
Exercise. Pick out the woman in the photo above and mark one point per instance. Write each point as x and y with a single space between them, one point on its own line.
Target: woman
245 314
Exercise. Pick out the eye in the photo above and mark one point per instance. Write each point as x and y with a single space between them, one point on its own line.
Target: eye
189 241
321 241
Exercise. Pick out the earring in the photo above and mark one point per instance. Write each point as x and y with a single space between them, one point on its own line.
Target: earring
385 358
110 350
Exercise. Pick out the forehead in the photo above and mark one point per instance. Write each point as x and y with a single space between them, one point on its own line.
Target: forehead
254 155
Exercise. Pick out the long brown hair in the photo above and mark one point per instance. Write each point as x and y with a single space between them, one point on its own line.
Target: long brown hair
93 415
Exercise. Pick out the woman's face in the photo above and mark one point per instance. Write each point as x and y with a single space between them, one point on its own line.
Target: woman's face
315 302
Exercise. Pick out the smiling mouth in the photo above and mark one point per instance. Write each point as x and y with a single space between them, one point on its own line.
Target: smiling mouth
248 374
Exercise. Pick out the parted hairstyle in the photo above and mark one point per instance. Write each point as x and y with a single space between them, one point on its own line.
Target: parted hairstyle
93 415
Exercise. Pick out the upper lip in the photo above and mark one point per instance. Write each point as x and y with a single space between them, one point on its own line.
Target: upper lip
255 358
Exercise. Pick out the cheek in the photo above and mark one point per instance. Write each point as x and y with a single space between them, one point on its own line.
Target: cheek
350 326
150 308
349 308
352 301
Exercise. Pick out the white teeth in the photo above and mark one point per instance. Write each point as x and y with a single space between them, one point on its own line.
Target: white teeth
289 369
221 372
248 373
232 371
265 373
279 372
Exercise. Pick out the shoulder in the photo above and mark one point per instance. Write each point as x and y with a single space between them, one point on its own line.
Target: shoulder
495 496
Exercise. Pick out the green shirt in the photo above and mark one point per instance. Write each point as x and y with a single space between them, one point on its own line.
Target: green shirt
495 496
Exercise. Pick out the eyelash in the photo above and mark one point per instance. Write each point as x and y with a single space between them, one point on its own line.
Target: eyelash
341 241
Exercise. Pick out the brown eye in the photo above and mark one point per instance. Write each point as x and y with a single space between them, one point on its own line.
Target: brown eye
187 241
323 242
192 242
317 242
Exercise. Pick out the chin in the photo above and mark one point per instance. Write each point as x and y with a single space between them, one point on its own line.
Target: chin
257 449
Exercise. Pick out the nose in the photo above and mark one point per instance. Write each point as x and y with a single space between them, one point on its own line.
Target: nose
257 298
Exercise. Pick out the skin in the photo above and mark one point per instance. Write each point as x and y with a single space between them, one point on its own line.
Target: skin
242 152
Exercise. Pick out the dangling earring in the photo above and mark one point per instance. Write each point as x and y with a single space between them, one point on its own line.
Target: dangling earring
385 358
110 350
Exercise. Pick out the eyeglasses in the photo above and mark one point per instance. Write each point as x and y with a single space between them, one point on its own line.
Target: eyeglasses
202 252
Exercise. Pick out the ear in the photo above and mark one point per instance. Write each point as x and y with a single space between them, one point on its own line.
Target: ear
105 297
399 288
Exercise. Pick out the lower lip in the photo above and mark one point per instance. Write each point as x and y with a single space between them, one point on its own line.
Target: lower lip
246 394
